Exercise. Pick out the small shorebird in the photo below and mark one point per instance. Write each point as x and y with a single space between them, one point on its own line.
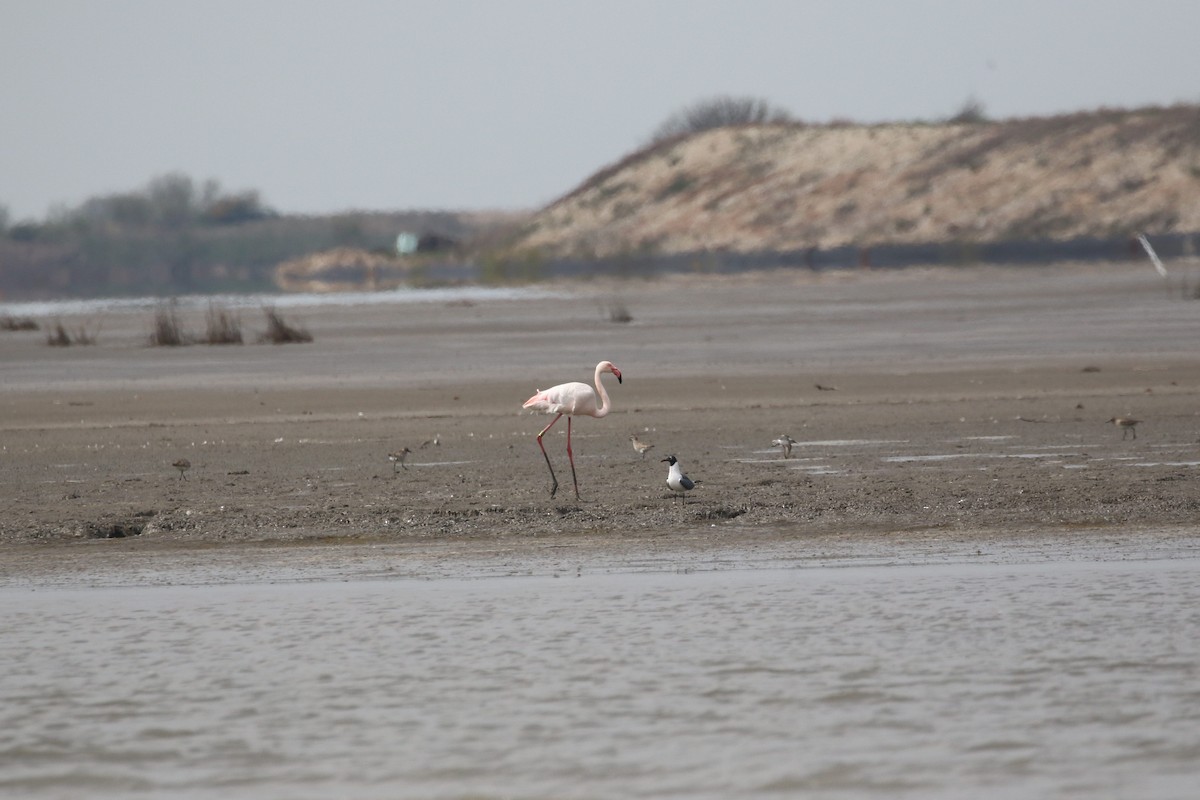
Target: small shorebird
785 443
640 446
398 458
677 480
1126 424
436 441
183 465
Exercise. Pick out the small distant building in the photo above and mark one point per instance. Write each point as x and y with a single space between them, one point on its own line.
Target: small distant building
406 243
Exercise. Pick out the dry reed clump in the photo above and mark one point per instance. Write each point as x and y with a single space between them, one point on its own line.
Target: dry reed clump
59 336
83 336
11 323
222 326
279 332
168 330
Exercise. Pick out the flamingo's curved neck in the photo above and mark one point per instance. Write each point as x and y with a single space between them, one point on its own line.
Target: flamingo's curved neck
603 395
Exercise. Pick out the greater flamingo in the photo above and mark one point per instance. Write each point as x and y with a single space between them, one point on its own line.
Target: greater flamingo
572 399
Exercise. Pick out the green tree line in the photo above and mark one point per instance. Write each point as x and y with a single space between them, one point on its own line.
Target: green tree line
176 235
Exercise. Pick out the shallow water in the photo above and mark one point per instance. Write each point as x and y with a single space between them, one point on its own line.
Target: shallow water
306 300
1069 676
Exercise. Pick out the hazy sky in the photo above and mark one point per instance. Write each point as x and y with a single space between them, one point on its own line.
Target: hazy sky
460 104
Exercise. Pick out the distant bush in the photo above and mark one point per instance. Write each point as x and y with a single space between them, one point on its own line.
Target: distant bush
168 330
24 232
222 326
9 323
972 112
279 332
718 112
236 209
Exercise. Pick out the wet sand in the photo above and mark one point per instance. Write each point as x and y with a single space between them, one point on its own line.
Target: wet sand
929 406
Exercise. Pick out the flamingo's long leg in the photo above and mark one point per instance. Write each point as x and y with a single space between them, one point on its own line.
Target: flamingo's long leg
554 487
571 458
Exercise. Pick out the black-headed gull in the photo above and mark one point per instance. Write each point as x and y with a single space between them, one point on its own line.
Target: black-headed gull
677 480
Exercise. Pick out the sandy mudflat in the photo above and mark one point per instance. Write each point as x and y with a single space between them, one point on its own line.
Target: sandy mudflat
956 404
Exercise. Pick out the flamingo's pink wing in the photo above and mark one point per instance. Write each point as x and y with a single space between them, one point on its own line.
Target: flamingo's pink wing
540 402
566 398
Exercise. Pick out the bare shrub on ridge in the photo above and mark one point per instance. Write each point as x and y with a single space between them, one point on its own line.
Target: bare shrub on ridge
719 112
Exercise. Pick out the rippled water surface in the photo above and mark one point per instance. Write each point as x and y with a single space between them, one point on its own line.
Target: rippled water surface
1068 678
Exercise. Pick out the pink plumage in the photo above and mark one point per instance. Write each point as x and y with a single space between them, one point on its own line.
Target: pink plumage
572 400
576 399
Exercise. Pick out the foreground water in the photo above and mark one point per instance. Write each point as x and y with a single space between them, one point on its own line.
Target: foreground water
1068 677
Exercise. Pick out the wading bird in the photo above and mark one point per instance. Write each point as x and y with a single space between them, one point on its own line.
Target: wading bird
677 480
1126 424
398 458
183 465
640 446
574 400
784 443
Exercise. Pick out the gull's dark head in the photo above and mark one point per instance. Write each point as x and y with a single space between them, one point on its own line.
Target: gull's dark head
669 460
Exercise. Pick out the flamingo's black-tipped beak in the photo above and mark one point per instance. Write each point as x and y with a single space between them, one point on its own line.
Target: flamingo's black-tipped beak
617 372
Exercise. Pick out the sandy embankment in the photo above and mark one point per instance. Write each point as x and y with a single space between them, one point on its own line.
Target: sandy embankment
957 404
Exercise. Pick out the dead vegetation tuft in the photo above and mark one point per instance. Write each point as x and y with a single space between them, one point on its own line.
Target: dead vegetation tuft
11 323
279 332
168 329
618 311
222 326
59 336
